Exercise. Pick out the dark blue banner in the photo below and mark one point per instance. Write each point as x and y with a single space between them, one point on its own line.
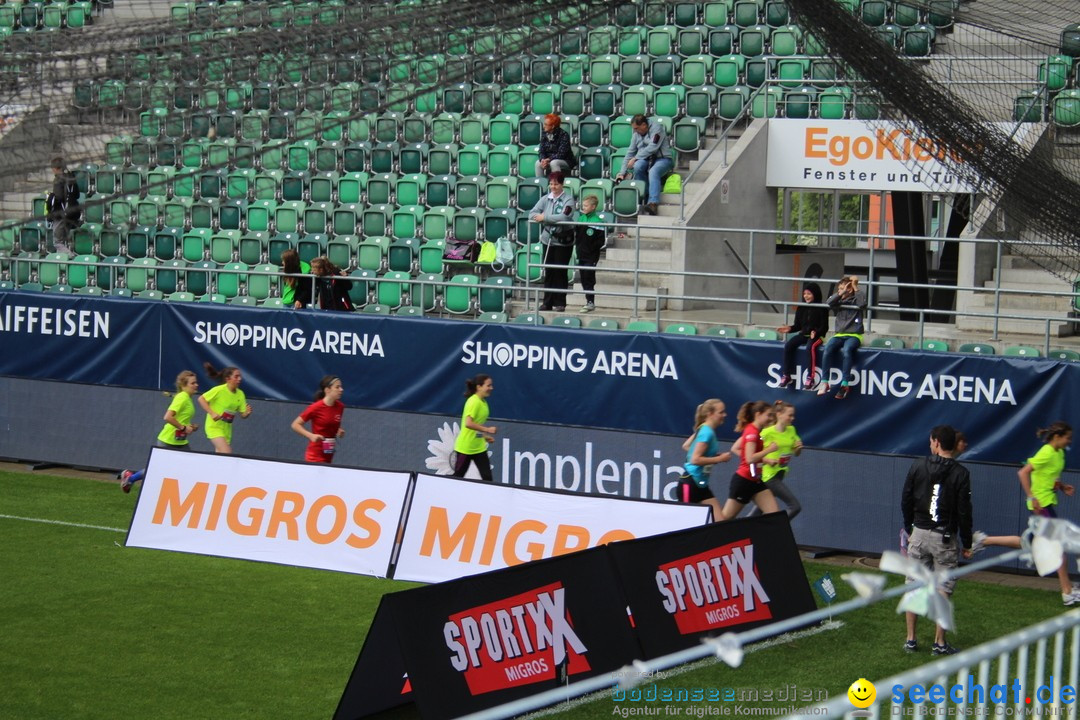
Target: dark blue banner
580 378
82 340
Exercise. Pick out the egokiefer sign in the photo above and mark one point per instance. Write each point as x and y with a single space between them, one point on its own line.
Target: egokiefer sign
857 155
476 642
461 528
347 519
287 513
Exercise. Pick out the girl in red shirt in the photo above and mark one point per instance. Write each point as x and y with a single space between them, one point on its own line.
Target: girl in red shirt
746 484
325 417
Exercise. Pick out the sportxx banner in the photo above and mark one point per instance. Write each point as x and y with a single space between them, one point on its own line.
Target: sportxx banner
623 381
724 577
309 515
484 640
458 528
468 644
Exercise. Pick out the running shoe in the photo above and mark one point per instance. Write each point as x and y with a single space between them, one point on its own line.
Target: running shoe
842 392
911 646
125 481
943 649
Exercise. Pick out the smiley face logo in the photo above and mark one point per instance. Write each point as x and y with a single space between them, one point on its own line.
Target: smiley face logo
862 693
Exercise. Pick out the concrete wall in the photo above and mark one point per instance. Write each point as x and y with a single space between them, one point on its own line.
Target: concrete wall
737 197
27 148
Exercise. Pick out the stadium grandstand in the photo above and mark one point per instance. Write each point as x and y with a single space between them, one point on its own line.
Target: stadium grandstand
929 147
207 137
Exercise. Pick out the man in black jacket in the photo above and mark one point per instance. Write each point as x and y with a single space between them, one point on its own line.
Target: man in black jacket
936 504
62 205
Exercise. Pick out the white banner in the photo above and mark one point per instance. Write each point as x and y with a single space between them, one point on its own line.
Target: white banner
317 516
855 155
457 528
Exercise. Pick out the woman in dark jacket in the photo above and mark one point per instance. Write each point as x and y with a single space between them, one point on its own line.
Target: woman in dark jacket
810 326
555 152
331 286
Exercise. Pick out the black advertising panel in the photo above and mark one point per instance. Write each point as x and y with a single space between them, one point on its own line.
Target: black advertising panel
724 577
378 681
487 639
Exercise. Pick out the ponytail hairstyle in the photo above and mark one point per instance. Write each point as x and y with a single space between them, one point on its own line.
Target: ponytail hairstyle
703 411
780 406
182 379
748 412
221 375
1055 429
472 383
325 384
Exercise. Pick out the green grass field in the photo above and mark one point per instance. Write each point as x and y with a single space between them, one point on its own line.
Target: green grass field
96 630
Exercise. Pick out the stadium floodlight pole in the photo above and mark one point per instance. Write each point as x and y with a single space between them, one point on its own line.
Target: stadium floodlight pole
727 647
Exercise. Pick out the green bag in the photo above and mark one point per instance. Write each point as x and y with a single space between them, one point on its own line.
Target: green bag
673 184
487 252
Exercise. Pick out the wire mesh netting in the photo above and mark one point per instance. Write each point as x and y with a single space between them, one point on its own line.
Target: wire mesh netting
989 88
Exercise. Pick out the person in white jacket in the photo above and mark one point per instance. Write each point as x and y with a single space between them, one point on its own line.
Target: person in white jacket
648 158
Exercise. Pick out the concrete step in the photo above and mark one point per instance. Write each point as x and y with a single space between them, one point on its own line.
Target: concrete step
1032 276
1045 286
1021 304
645 259
1010 327
606 305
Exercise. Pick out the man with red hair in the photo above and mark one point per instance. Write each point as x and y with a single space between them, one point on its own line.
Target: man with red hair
556 154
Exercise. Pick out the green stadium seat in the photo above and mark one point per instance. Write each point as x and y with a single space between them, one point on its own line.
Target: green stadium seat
887 343
494 293
761 334
1066 107
565 321
1064 354
1030 106
931 346
645 326
722 331
529 319
731 101
906 15
918 41
459 297
675 329
627 198
1022 351
1055 72
977 349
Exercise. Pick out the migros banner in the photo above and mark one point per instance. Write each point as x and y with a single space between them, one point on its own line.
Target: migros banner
306 515
457 528
856 155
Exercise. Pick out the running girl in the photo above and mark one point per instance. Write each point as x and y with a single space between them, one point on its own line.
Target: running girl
1041 480
746 484
471 446
222 404
775 465
177 424
325 417
703 451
